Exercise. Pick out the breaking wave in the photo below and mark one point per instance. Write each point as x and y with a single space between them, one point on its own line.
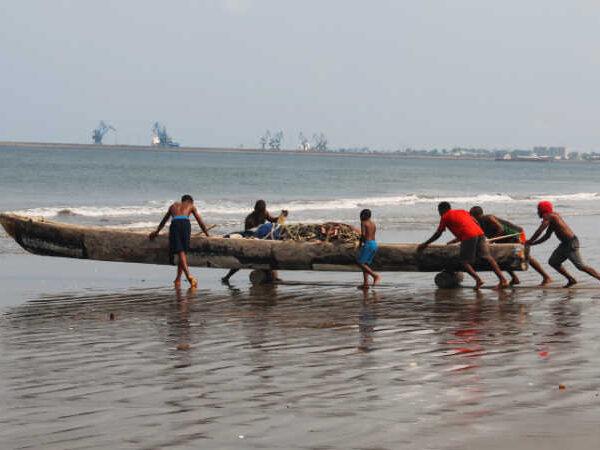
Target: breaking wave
226 208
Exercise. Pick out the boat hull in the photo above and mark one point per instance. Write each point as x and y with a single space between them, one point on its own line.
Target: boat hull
109 244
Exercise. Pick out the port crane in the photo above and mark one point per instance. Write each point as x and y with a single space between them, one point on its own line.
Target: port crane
101 131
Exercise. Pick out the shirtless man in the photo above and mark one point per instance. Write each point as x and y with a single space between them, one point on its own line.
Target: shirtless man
369 248
179 234
569 244
473 243
494 227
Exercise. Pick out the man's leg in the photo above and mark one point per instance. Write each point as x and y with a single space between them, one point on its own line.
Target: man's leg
231 273
590 271
514 278
478 281
502 283
366 272
539 269
556 259
177 281
185 269
483 252
560 269
575 258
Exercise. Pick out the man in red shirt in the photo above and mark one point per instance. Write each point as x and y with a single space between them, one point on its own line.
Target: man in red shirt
473 243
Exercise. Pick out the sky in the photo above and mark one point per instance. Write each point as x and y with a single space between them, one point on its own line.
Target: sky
386 74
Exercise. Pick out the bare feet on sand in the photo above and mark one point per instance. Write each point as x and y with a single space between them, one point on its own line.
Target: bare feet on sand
376 280
193 282
177 284
363 287
478 284
501 285
546 281
572 282
515 281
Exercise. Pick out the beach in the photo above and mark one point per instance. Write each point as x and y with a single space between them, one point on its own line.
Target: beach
109 355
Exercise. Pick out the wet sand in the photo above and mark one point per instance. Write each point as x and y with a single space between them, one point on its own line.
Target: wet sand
311 366
406 366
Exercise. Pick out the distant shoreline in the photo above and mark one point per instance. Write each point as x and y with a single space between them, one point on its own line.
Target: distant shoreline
231 150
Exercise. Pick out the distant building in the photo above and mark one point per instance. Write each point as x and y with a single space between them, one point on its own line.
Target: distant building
552 152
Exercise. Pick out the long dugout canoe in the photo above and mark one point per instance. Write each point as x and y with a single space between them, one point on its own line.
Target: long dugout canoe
46 238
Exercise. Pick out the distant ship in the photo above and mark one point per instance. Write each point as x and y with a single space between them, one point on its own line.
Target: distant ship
531 158
160 138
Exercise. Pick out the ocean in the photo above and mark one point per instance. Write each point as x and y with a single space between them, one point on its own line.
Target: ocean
97 355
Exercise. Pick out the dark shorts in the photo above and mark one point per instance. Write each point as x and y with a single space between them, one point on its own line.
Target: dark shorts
567 250
476 247
179 236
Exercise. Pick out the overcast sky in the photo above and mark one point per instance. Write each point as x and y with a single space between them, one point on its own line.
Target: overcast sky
385 74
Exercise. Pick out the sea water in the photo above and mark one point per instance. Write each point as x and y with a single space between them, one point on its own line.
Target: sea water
108 355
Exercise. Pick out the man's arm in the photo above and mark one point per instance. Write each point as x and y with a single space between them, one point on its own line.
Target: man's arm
270 218
534 239
200 221
160 225
363 232
433 238
498 228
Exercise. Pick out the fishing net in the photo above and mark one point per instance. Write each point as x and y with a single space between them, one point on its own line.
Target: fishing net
326 232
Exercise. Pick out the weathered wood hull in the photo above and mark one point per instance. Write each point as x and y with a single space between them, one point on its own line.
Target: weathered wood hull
108 244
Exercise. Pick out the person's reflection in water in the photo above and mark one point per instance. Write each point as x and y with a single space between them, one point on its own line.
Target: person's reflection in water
179 324
367 321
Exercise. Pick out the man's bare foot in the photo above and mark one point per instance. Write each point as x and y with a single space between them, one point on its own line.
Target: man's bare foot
376 279
501 285
193 282
546 281
363 287
571 282
515 281
478 284
177 284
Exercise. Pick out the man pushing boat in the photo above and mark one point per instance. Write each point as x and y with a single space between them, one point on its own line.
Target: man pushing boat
495 227
569 244
473 243
180 232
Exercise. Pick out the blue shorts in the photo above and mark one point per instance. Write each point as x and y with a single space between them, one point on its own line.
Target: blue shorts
368 252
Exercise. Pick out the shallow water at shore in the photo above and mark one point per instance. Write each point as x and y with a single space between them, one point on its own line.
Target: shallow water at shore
324 366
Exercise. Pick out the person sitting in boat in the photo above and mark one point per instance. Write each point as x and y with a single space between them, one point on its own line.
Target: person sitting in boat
495 227
179 234
256 218
473 244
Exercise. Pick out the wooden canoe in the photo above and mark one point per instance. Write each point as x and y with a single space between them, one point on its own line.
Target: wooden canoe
120 245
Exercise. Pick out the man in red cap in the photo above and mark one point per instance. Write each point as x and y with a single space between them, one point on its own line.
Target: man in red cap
473 244
569 244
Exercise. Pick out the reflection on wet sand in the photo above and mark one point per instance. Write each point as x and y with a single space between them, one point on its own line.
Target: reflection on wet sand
290 367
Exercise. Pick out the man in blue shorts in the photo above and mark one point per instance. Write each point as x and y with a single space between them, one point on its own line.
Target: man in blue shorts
369 248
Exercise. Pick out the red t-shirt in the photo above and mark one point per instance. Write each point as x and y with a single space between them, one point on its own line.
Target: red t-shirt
461 223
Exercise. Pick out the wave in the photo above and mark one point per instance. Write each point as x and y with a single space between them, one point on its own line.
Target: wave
225 208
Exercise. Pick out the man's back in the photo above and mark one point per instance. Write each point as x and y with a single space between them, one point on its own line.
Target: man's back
181 209
461 224
560 228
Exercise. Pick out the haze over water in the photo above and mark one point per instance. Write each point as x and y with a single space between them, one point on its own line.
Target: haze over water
312 366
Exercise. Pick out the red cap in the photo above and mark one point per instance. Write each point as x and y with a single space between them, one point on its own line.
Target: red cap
545 208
